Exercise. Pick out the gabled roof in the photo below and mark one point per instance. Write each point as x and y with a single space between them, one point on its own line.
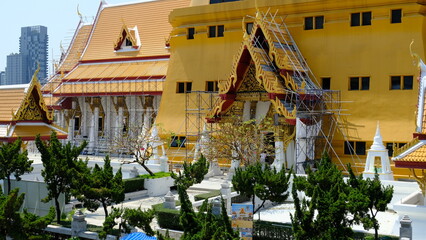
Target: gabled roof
75 50
150 18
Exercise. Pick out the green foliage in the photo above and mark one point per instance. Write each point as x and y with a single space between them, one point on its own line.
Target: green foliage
138 218
13 161
109 223
156 175
262 181
133 184
21 226
61 167
167 218
328 193
101 187
192 173
367 197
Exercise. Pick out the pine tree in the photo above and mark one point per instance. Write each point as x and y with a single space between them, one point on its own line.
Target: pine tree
192 173
329 197
368 197
13 161
61 167
262 181
100 187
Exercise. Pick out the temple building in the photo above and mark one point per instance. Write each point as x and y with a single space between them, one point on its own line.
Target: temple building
24 114
326 71
111 77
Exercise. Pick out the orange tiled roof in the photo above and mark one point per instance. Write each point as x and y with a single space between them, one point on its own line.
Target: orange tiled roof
10 101
151 19
120 70
418 155
75 49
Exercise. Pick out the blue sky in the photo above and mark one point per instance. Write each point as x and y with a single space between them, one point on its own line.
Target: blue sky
59 16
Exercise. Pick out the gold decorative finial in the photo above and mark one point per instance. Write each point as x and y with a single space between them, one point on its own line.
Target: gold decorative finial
79 13
61 47
416 58
35 73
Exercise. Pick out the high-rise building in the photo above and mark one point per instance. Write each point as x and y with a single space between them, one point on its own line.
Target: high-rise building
32 51
16 70
2 77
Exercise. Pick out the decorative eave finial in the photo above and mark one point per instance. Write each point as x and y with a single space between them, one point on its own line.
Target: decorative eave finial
79 13
378 142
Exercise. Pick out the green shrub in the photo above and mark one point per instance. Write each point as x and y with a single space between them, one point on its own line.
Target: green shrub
214 193
156 175
167 218
133 184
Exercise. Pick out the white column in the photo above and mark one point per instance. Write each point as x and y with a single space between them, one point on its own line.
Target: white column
246 111
93 134
71 123
119 122
279 155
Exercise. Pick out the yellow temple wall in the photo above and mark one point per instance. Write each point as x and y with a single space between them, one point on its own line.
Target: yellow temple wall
338 51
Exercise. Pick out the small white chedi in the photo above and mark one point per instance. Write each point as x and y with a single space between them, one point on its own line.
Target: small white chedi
378 158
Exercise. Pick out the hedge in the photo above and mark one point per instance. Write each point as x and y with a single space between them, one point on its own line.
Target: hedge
133 184
167 218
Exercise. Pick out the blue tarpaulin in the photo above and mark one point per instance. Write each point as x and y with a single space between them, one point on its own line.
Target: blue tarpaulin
138 236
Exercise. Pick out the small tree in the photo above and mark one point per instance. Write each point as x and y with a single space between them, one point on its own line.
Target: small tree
239 140
61 167
192 173
137 141
262 181
21 225
368 197
101 187
13 161
329 200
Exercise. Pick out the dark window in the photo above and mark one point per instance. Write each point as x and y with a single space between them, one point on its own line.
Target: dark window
76 124
212 31
249 27
309 23
177 141
181 87
220 30
100 124
349 147
188 86
212 86
355 19
366 18
191 32
396 16
319 22
408 82
389 147
401 82
354 83
365 83
221 1
326 82
360 148
395 82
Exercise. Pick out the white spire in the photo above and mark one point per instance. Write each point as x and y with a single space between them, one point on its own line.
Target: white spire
378 142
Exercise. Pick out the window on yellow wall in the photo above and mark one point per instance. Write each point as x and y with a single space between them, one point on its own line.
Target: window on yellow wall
316 22
183 87
191 32
326 83
249 27
359 83
216 31
396 16
361 19
357 147
212 86
401 82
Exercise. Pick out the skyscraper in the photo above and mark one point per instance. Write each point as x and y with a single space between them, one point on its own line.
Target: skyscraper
2 77
32 51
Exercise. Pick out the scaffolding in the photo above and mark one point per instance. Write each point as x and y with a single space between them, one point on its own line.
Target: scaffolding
197 105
